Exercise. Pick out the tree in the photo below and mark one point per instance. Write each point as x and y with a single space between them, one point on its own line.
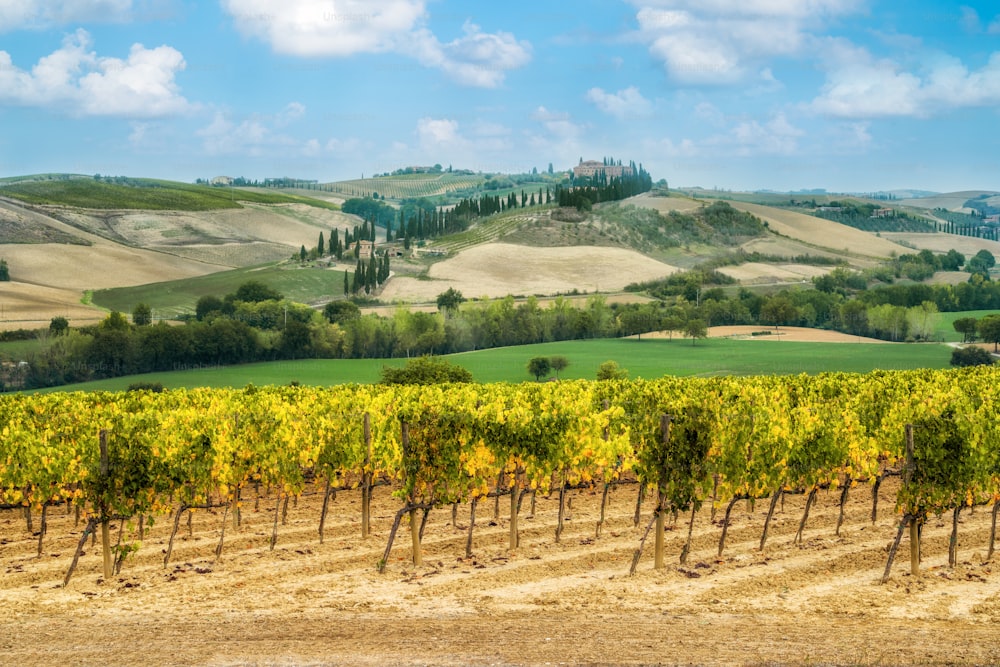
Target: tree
967 326
425 370
989 330
539 367
4 271
695 328
450 299
302 253
254 290
777 311
971 356
609 370
207 304
558 363
59 326
339 312
142 315
320 246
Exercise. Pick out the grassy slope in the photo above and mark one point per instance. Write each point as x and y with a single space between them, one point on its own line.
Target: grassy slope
145 194
643 359
175 297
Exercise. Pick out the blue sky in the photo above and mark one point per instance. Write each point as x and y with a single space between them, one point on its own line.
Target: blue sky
848 95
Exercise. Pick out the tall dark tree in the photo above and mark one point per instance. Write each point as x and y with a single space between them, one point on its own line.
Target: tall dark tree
142 315
320 246
4 270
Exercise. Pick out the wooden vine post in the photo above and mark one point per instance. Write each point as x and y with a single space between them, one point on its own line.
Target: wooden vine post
414 524
908 471
105 470
515 497
366 480
661 497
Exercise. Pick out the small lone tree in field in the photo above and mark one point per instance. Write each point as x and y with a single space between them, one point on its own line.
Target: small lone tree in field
610 370
971 356
989 330
4 271
695 329
967 326
539 367
425 370
558 363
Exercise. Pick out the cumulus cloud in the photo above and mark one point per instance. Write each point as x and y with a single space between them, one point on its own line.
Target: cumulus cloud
74 79
256 135
324 28
721 42
625 103
860 85
17 14
475 59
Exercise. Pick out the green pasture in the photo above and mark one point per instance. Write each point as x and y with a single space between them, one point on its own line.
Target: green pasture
946 323
145 194
649 358
303 284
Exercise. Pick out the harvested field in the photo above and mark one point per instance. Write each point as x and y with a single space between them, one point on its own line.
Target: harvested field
939 242
569 602
499 269
665 204
821 233
797 334
27 306
756 272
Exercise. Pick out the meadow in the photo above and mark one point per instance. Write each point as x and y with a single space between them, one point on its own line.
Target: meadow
144 194
303 284
647 358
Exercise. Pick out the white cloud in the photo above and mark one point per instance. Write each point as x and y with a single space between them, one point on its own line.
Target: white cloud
475 59
256 135
969 19
436 132
17 14
625 103
861 86
77 81
324 28
722 42
744 138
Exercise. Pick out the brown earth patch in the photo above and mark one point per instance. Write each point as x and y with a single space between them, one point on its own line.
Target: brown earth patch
798 334
499 269
569 602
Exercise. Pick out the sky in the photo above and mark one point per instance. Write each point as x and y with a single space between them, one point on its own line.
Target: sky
846 95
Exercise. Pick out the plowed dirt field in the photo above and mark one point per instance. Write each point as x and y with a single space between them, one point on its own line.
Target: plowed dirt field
569 602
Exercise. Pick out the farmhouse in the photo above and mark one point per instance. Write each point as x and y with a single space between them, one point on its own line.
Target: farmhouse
883 213
365 249
589 168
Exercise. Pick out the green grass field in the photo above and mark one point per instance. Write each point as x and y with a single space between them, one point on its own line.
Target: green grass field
144 194
176 297
643 359
946 328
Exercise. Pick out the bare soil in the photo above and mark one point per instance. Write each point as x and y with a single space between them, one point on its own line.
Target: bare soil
570 602
499 269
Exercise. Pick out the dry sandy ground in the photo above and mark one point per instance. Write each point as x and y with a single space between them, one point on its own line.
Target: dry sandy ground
797 334
545 603
966 245
499 269
821 233
151 247
756 272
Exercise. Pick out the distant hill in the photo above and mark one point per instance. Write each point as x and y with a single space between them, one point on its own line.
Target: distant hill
145 194
953 201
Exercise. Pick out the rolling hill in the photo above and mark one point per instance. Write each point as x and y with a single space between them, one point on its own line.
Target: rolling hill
59 250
